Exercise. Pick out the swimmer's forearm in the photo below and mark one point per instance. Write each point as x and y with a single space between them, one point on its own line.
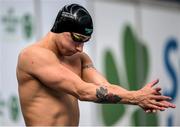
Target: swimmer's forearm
114 94
107 94
147 97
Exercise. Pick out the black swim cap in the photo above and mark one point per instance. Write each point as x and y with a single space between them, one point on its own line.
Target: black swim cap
73 18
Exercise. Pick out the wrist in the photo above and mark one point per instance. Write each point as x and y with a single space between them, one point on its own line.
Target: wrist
132 97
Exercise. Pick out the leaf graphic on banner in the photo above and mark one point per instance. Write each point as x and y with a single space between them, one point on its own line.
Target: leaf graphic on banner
27 26
111 112
10 21
136 63
14 108
140 118
137 66
136 59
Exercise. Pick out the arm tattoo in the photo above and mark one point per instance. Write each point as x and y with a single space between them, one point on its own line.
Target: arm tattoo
88 66
104 97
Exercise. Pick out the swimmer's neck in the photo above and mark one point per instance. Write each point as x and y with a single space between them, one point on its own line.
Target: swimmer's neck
49 42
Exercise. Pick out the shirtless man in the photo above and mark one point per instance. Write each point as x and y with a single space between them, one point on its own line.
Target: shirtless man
55 72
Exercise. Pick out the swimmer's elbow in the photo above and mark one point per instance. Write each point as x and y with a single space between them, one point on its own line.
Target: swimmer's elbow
85 97
87 94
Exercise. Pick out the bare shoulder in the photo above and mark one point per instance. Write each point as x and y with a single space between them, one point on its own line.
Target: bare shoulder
84 57
34 55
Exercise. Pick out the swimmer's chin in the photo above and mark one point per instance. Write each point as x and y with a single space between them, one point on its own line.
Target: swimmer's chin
70 53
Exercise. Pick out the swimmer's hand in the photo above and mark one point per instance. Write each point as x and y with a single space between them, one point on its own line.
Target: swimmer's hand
150 99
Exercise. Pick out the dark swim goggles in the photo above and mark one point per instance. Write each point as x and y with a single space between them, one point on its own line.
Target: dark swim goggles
79 37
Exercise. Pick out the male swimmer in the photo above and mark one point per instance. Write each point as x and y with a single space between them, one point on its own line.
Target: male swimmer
54 73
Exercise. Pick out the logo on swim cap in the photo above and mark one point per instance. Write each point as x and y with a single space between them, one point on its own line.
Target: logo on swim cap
88 31
68 15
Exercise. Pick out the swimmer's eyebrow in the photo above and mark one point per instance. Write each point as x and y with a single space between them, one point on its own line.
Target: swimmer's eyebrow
88 66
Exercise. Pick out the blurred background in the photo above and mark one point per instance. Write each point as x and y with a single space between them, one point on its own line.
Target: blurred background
134 42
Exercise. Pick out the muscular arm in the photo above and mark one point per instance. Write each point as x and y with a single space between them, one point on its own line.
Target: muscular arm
139 97
89 73
46 67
